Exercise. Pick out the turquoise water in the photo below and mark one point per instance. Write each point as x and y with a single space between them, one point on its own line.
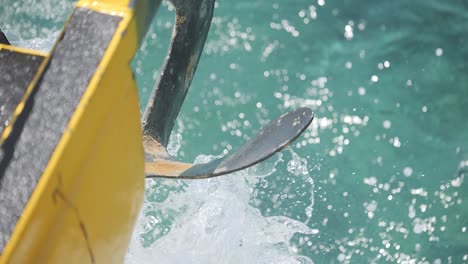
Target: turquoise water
377 178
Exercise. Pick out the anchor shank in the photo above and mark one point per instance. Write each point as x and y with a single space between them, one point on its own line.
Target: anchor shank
192 23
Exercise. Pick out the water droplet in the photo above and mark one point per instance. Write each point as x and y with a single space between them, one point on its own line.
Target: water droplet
407 171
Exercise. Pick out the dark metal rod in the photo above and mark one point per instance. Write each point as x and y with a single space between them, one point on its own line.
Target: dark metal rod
192 23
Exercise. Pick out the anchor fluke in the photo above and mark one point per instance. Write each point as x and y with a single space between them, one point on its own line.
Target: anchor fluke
272 138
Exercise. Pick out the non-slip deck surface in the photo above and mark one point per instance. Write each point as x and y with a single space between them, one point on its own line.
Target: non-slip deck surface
16 72
38 130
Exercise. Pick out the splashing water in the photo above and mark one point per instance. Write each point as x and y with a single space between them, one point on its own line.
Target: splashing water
215 220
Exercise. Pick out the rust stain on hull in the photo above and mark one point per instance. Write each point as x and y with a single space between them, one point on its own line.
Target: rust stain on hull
166 168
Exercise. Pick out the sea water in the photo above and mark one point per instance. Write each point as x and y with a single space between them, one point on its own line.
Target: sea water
378 177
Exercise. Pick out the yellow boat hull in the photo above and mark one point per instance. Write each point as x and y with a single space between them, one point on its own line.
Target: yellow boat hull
87 198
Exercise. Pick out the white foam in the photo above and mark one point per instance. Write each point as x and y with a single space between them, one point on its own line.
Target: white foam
215 222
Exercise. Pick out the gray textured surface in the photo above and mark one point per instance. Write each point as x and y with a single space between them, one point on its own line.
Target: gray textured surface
39 129
16 72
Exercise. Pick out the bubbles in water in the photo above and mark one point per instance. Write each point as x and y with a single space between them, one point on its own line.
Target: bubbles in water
387 124
362 91
348 34
407 171
370 181
370 209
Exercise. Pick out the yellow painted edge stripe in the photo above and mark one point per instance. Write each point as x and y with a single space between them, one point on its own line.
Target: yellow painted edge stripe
23 50
47 175
105 7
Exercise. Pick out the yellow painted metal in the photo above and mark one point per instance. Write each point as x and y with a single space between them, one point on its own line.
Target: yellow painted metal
144 10
106 6
87 200
23 50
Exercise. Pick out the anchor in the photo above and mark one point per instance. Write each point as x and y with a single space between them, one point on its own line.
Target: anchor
192 23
